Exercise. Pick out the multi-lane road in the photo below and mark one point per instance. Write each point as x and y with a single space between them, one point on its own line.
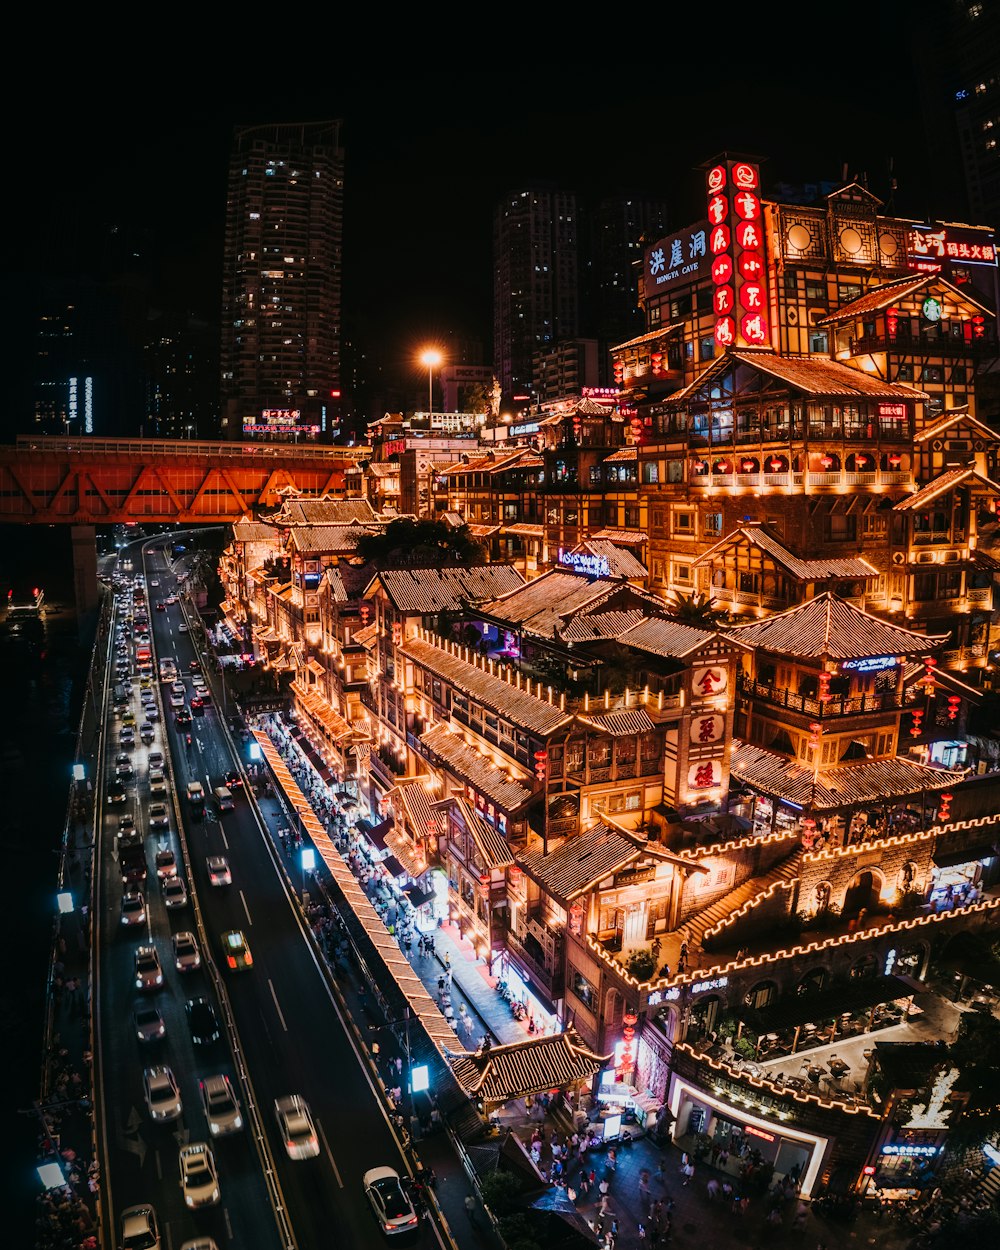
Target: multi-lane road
281 1029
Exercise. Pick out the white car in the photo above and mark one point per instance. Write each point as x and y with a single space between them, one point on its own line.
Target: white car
187 956
296 1126
139 1229
182 628
155 759
157 781
159 817
166 863
199 1179
163 1096
174 892
133 908
176 700
222 1108
389 1202
218 870
148 972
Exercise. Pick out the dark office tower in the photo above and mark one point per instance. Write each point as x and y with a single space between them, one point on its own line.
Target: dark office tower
536 281
181 372
617 227
281 289
955 47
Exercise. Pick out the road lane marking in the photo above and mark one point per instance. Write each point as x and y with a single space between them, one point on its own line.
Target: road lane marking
329 1154
277 1008
246 909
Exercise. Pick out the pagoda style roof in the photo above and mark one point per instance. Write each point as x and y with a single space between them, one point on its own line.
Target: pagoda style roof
814 570
335 581
254 532
325 511
596 625
620 563
494 849
620 723
831 788
829 627
946 481
662 635
328 539
623 538
537 1064
651 337
446 589
470 766
581 861
888 293
622 455
383 468
952 417
542 605
818 378
482 463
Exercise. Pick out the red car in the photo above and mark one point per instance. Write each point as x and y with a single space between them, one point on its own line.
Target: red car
197 705
161 607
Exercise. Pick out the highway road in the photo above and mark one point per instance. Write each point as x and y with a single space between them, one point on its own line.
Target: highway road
282 1028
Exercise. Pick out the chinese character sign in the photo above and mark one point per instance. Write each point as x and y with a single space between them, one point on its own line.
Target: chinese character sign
706 729
709 681
705 775
736 245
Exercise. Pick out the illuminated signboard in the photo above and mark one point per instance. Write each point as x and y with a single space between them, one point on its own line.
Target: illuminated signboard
920 1152
931 249
736 245
253 428
718 983
526 427
892 412
280 416
394 447
600 393
679 258
584 562
279 421
870 664
757 1132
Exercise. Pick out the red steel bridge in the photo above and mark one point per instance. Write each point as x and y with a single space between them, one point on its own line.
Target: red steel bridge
86 482
107 481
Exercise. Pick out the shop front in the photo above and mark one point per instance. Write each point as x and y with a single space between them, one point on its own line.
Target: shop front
902 1169
541 1014
706 1120
958 877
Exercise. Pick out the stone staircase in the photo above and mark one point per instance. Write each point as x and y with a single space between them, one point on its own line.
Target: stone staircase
738 902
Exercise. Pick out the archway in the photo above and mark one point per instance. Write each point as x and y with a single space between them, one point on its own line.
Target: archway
862 894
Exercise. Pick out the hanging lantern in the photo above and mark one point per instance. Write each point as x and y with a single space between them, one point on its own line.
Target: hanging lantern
916 716
891 321
699 466
826 461
824 687
619 371
484 885
860 461
748 466
815 729
895 460
365 613
514 875
978 327
930 664
541 758
656 360
576 918
944 807
397 634
776 464
954 703
722 466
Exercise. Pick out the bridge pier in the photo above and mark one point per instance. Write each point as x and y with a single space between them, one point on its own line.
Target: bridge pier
83 539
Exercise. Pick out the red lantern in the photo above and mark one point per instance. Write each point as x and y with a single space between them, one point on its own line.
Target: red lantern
954 702
365 613
978 327
930 664
515 874
944 807
916 716
860 461
891 321
699 466
747 466
826 461
895 460
397 634
815 729
484 885
824 687
541 760
656 360
776 465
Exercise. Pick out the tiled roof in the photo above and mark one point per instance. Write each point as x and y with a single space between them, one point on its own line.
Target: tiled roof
651 337
416 801
335 580
445 590
542 605
525 531
621 563
832 627
406 851
625 538
526 460
332 539
773 774
877 298
665 636
317 708
622 454
943 482
812 377
580 862
254 532
471 767
950 418
385 468
483 531
365 637
494 849
600 625
533 1066
621 723
479 464
815 570
325 512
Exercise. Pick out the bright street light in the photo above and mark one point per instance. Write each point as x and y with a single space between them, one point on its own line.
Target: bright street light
430 359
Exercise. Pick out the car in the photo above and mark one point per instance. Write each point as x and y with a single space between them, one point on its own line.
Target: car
232 779
222 1108
148 972
178 687
174 892
218 870
182 628
166 863
126 737
157 781
176 700
123 766
155 759
389 1201
159 816
202 1021
162 1093
161 607
295 1124
128 719
145 682
199 1178
139 1229
182 716
148 1022
195 793
197 705
146 732
153 581
171 599
236 950
194 666
133 907
117 792
199 1243
187 956
152 711
126 825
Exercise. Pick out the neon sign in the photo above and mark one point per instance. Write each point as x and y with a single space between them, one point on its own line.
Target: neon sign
922 1152
736 243
757 1132
585 562
869 664
930 250
526 427
718 983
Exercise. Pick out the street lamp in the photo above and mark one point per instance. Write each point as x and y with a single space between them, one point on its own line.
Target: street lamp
430 359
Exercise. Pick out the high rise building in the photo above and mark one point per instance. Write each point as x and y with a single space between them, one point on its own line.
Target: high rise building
281 289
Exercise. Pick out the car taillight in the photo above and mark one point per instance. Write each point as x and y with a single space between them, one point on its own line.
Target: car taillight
231 961
248 959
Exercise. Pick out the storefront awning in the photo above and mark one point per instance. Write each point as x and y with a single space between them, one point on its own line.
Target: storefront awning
949 859
858 996
376 835
416 895
392 866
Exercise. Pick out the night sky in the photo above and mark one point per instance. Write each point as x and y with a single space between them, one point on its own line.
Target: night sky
435 132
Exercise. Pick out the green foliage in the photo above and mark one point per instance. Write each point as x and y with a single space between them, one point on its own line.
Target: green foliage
696 608
501 1192
746 1046
422 544
641 964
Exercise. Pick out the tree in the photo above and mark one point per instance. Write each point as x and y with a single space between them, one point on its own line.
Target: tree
422 544
696 608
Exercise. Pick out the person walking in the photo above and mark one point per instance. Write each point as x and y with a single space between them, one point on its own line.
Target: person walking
470 1208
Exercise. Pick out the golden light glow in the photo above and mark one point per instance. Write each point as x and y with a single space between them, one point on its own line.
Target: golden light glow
430 358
